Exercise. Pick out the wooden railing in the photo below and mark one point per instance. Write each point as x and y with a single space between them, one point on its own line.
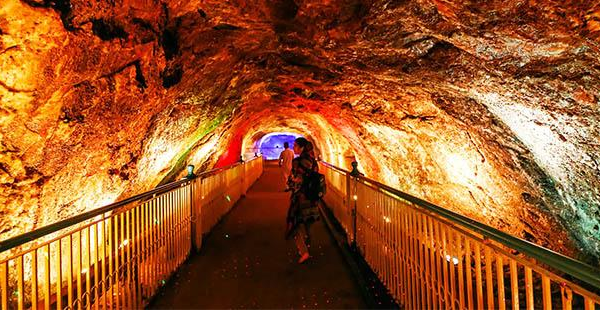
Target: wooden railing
118 256
429 257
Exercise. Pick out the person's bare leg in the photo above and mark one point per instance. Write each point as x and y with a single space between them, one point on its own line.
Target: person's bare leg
286 175
300 239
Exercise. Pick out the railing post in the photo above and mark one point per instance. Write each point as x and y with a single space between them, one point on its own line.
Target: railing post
353 177
243 179
351 207
194 210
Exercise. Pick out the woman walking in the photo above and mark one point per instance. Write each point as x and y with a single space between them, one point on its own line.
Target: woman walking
303 211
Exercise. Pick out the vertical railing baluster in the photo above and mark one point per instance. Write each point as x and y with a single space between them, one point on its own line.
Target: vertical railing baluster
445 270
78 297
162 237
167 232
529 288
514 284
148 258
406 285
181 224
413 259
69 247
129 236
20 286
589 304
109 228
396 257
127 246
428 286
138 255
176 228
489 277
95 229
452 251
478 275
500 281
34 279
46 262
469 274
567 298
4 285
154 245
439 261
416 259
102 232
88 271
165 237
118 236
143 252
175 240
58 263
433 261
546 294
422 266
461 274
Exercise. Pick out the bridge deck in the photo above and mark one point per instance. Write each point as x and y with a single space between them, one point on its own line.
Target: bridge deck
246 263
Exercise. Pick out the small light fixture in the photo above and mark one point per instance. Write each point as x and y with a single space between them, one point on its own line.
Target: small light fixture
452 259
190 172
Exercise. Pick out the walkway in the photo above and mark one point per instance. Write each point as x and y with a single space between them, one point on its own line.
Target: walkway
246 263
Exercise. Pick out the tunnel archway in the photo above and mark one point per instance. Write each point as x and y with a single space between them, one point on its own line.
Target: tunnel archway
330 143
271 144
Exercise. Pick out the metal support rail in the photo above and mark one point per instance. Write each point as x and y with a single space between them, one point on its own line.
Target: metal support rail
430 257
117 256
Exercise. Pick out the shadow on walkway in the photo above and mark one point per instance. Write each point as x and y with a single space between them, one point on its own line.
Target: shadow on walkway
246 263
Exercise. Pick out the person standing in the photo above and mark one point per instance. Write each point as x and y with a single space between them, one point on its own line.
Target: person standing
303 211
285 162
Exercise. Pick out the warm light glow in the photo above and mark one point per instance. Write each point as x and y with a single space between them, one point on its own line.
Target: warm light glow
458 167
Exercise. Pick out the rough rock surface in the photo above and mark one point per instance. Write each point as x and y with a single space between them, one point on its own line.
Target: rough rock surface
488 108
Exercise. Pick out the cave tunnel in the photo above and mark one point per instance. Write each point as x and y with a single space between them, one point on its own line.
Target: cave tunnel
490 110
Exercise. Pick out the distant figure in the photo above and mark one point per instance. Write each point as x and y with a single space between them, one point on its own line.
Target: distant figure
303 209
285 162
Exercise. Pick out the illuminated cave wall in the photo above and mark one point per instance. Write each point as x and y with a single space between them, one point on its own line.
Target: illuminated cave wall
487 108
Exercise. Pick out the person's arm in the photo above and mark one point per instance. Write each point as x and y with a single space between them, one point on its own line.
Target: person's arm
280 158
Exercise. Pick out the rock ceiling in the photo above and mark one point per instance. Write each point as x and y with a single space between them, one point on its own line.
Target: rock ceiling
488 108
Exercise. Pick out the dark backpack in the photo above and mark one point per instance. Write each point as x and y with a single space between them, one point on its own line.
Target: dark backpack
316 186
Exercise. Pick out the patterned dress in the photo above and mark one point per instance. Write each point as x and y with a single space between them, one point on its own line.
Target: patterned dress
302 210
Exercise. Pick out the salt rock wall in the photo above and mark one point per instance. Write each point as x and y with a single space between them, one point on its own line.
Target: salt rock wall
489 109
